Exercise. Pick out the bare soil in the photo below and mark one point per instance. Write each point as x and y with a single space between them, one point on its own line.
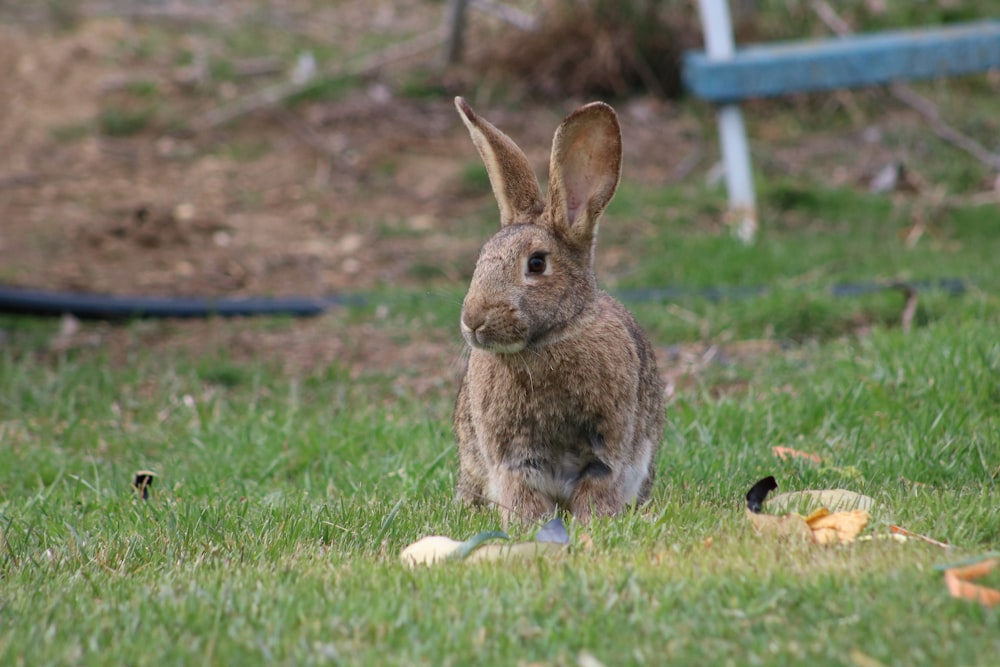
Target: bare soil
327 197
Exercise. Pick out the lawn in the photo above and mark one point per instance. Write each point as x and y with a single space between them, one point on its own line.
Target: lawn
281 503
295 459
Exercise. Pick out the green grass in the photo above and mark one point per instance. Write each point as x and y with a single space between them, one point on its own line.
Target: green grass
282 503
117 122
281 506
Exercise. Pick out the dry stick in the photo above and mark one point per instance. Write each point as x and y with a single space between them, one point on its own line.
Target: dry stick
910 307
273 95
926 108
831 19
912 99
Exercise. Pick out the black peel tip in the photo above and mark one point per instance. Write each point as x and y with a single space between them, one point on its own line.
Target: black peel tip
758 492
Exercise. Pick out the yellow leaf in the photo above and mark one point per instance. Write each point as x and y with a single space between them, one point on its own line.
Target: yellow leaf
817 514
840 527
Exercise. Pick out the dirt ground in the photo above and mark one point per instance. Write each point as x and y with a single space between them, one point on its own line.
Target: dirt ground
329 197
370 190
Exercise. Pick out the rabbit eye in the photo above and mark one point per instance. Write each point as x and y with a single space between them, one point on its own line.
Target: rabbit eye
536 264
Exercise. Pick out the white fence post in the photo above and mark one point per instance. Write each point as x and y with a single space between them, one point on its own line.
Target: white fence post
718 30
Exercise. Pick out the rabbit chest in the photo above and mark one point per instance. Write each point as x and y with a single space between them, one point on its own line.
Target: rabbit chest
555 415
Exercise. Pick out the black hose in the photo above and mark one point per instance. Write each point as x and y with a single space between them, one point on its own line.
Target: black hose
22 301
953 286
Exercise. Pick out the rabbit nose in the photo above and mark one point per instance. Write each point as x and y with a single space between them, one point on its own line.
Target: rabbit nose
472 321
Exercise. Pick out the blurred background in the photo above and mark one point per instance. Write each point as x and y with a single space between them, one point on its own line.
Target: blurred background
300 147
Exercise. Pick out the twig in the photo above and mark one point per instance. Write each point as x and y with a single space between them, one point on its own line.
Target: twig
830 18
912 99
910 307
926 108
896 530
273 95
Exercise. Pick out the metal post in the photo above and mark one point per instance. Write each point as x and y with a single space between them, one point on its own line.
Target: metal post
455 17
719 45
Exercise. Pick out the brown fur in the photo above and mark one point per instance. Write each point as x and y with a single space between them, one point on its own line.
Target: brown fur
561 405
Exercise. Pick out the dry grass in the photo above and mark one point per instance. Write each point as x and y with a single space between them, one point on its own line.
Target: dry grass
599 48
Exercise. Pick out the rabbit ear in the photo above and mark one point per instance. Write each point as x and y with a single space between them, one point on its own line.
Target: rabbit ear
514 183
585 169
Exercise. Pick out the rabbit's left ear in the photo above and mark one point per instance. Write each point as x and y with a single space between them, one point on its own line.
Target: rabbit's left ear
584 171
514 183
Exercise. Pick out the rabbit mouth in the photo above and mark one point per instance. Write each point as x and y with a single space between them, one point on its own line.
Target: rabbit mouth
483 339
482 342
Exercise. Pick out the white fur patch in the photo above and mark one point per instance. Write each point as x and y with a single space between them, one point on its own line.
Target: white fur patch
497 348
634 476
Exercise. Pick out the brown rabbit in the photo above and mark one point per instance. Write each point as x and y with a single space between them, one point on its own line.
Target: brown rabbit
561 405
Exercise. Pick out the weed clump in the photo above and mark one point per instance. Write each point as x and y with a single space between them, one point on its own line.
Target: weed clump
593 48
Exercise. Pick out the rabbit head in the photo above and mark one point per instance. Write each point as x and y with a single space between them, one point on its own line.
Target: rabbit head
535 275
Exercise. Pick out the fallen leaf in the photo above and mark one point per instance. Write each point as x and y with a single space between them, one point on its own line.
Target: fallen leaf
785 453
958 579
837 528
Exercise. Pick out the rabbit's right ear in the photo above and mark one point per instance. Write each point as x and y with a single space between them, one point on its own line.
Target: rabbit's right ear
584 171
511 176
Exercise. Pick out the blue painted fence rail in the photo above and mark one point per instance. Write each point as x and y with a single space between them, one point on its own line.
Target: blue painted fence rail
769 70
